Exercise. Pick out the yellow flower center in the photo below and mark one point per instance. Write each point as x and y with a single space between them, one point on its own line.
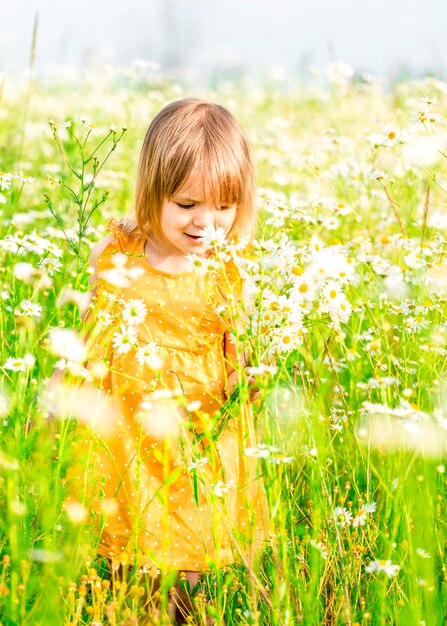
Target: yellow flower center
303 288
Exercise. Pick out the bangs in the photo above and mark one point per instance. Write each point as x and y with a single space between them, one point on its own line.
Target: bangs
213 176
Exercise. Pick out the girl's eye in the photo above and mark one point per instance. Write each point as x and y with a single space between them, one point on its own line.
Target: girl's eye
224 208
185 206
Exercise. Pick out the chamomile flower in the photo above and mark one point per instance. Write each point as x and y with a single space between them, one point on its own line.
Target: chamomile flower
50 265
220 488
124 339
289 337
20 364
54 249
391 136
29 309
66 343
324 551
341 516
134 312
23 271
194 405
202 265
381 565
423 554
362 514
15 364
198 463
148 355
213 237
36 243
103 318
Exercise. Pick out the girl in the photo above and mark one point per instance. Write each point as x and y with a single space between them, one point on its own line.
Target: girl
175 491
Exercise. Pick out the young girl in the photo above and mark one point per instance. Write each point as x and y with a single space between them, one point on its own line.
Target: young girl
175 489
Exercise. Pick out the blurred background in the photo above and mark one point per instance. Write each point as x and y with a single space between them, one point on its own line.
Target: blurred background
393 39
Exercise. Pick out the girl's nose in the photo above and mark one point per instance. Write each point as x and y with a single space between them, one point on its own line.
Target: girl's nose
205 217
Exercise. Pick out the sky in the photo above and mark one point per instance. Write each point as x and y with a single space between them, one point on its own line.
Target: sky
384 37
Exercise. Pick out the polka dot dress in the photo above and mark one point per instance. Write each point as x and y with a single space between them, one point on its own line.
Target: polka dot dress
168 491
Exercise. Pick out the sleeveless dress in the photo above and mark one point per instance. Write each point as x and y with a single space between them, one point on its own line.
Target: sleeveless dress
173 486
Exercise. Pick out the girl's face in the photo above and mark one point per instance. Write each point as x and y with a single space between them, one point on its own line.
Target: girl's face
187 213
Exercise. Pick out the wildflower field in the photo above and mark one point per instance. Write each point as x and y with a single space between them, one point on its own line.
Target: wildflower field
346 302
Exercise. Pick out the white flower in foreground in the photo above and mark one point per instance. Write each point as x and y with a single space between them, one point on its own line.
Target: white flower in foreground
45 556
381 565
54 249
125 339
15 364
29 309
220 488
36 244
202 265
23 271
213 236
362 514
66 343
134 312
76 511
4 404
423 554
147 355
194 406
341 516
51 265
321 547
262 369
198 463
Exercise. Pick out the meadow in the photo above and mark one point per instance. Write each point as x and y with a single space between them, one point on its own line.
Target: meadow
347 283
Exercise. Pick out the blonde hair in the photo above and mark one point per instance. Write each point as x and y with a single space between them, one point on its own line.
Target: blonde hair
198 138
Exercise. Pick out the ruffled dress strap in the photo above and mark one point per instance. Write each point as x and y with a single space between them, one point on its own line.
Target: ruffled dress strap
121 238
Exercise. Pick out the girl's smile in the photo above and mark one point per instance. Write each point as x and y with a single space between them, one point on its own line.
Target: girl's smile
183 219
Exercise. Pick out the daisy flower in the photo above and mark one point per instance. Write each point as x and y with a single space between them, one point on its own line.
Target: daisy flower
23 271
341 516
36 244
199 463
147 355
213 237
66 343
16 364
29 309
51 265
125 339
362 514
103 318
220 488
380 565
134 312
202 265
54 249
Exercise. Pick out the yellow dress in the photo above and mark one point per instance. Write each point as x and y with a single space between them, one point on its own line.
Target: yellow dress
169 491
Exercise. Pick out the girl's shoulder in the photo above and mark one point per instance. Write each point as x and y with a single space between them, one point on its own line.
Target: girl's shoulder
117 241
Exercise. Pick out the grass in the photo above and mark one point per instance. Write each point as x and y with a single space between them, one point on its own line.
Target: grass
352 420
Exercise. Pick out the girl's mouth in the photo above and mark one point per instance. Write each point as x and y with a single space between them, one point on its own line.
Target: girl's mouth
195 238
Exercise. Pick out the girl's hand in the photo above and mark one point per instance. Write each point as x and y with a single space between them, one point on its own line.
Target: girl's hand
233 380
